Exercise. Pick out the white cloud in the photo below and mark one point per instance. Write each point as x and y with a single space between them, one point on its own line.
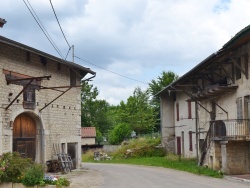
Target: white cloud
138 39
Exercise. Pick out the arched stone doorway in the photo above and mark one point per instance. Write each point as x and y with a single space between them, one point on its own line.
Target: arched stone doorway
24 136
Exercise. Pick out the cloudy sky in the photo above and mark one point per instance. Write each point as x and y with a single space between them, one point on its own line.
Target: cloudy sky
135 38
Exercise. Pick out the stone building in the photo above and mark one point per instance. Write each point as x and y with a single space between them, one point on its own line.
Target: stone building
216 93
40 113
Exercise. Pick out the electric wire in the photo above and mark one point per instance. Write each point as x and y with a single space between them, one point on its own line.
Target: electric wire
57 49
59 23
47 35
110 71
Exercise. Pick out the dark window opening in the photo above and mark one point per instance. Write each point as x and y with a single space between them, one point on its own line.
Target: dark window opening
190 141
27 56
43 60
72 78
58 66
189 110
177 112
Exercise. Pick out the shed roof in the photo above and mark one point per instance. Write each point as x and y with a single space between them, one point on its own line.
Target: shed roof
88 132
84 70
240 38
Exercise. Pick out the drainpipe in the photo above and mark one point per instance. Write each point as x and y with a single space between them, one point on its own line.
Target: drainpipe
196 130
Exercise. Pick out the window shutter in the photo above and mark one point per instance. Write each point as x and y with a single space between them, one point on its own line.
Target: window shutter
29 98
189 110
177 112
190 141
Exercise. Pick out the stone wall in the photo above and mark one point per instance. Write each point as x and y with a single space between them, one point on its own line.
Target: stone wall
60 122
237 157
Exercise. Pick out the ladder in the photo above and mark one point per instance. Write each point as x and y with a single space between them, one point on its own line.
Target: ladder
66 162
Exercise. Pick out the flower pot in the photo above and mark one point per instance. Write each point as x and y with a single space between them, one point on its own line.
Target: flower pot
6 185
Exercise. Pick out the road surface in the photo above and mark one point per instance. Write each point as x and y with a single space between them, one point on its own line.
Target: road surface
129 176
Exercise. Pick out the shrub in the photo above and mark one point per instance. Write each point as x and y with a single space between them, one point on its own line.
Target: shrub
14 167
142 147
62 182
119 133
34 175
88 156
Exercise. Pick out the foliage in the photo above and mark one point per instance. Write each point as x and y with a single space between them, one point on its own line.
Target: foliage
88 156
137 112
15 167
142 147
34 175
62 182
99 137
162 81
94 112
119 133
156 86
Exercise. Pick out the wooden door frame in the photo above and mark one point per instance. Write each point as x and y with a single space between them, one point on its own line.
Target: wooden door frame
40 133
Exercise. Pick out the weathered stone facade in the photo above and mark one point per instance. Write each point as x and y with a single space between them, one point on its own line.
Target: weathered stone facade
60 122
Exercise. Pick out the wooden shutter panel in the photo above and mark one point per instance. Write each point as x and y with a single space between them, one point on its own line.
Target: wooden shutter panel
177 112
190 141
29 98
189 110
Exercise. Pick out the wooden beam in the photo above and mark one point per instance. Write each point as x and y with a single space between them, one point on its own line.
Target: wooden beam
9 81
55 99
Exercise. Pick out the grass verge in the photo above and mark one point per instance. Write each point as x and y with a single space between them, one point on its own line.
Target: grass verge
170 161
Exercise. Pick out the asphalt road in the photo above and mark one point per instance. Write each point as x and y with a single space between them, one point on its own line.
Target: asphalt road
130 176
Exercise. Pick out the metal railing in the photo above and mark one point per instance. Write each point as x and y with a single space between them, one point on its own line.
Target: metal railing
230 129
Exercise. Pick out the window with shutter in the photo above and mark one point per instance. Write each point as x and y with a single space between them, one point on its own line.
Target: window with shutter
177 112
239 108
190 141
189 110
29 98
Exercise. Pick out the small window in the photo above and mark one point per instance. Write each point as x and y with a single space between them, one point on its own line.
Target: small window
72 78
190 141
27 56
239 108
29 99
177 112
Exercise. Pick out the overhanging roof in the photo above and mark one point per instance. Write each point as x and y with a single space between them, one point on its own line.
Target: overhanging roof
28 48
240 38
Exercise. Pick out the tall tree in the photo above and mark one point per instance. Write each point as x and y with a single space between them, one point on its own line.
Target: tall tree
156 86
94 111
137 112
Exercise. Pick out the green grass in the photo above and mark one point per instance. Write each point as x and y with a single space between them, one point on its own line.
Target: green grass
171 161
145 153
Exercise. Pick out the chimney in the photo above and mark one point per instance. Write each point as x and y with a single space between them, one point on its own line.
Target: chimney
2 22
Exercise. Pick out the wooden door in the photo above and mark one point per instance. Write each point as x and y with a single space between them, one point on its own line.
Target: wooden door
178 139
24 136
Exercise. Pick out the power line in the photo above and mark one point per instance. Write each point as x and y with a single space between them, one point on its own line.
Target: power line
111 71
42 27
59 23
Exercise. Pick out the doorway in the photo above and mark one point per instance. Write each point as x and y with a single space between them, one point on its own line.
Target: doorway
24 136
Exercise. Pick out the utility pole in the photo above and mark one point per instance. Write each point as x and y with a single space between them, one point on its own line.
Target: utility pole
73 53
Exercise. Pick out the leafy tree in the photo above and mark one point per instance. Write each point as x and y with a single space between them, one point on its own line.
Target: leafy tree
156 86
121 132
99 137
137 112
94 111
161 82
